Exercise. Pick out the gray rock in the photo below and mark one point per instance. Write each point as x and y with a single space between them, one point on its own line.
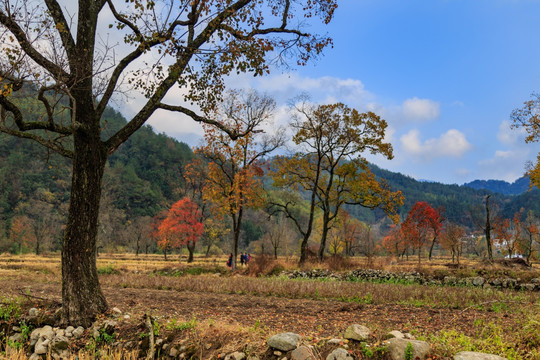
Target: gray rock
159 342
528 287
34 357
78 332
237 355
33 312
47 332
253 357
60 332
59 343
278 353
116 310
62 355
284 342
335 341
42 346
395 334
357 332
303 353
471 355
173 352
339 354
396 348
15 337
16 329
478 281
409 336
34 336
70 329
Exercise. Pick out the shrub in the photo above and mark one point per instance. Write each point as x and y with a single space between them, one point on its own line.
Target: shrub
264 265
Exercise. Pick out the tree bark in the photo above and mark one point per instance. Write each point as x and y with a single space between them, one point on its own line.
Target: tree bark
488 230
324 236
191 248
431 247
81 293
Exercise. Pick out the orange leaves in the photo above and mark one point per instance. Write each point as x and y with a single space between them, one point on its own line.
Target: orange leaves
20 232
181 226
423 223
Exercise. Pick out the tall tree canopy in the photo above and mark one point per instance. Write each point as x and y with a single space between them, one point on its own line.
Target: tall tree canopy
58 52
528 117
330 165
235 166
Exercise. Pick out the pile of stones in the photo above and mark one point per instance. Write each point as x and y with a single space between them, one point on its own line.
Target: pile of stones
55 342
414 278
288 346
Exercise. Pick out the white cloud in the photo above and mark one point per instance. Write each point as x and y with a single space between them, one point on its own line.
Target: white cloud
509 136
325 89
450 144
506 165
420 109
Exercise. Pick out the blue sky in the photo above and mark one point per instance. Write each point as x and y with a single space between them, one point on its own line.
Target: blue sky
445 74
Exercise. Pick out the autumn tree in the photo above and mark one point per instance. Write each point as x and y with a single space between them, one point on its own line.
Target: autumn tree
330 166
154 235
451 239
508 233
139 230
419 226
351 229
58 55
277 235
530 233
528 118
43 219
395 242
20 232
182 226
235 166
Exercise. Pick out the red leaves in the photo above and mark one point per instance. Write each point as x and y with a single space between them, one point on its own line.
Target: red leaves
181 226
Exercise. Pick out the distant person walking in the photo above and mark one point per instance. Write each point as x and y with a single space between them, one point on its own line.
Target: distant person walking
242 259
229 262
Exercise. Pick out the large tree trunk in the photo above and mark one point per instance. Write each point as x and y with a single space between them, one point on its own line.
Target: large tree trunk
488 231
324 236
81 293
237 221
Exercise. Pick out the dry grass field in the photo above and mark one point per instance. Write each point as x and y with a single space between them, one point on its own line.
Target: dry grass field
218 311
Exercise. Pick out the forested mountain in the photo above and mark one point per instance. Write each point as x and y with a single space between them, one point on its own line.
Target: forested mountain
145 176
460 203
518 187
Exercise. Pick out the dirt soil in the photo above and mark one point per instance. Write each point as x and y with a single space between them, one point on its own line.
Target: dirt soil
309 318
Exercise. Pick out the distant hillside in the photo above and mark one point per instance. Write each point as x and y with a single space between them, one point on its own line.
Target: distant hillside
459 202
145 176
518 187
142 177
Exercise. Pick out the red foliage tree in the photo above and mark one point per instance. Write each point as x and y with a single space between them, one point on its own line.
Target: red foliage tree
395 242
422 224
182 226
